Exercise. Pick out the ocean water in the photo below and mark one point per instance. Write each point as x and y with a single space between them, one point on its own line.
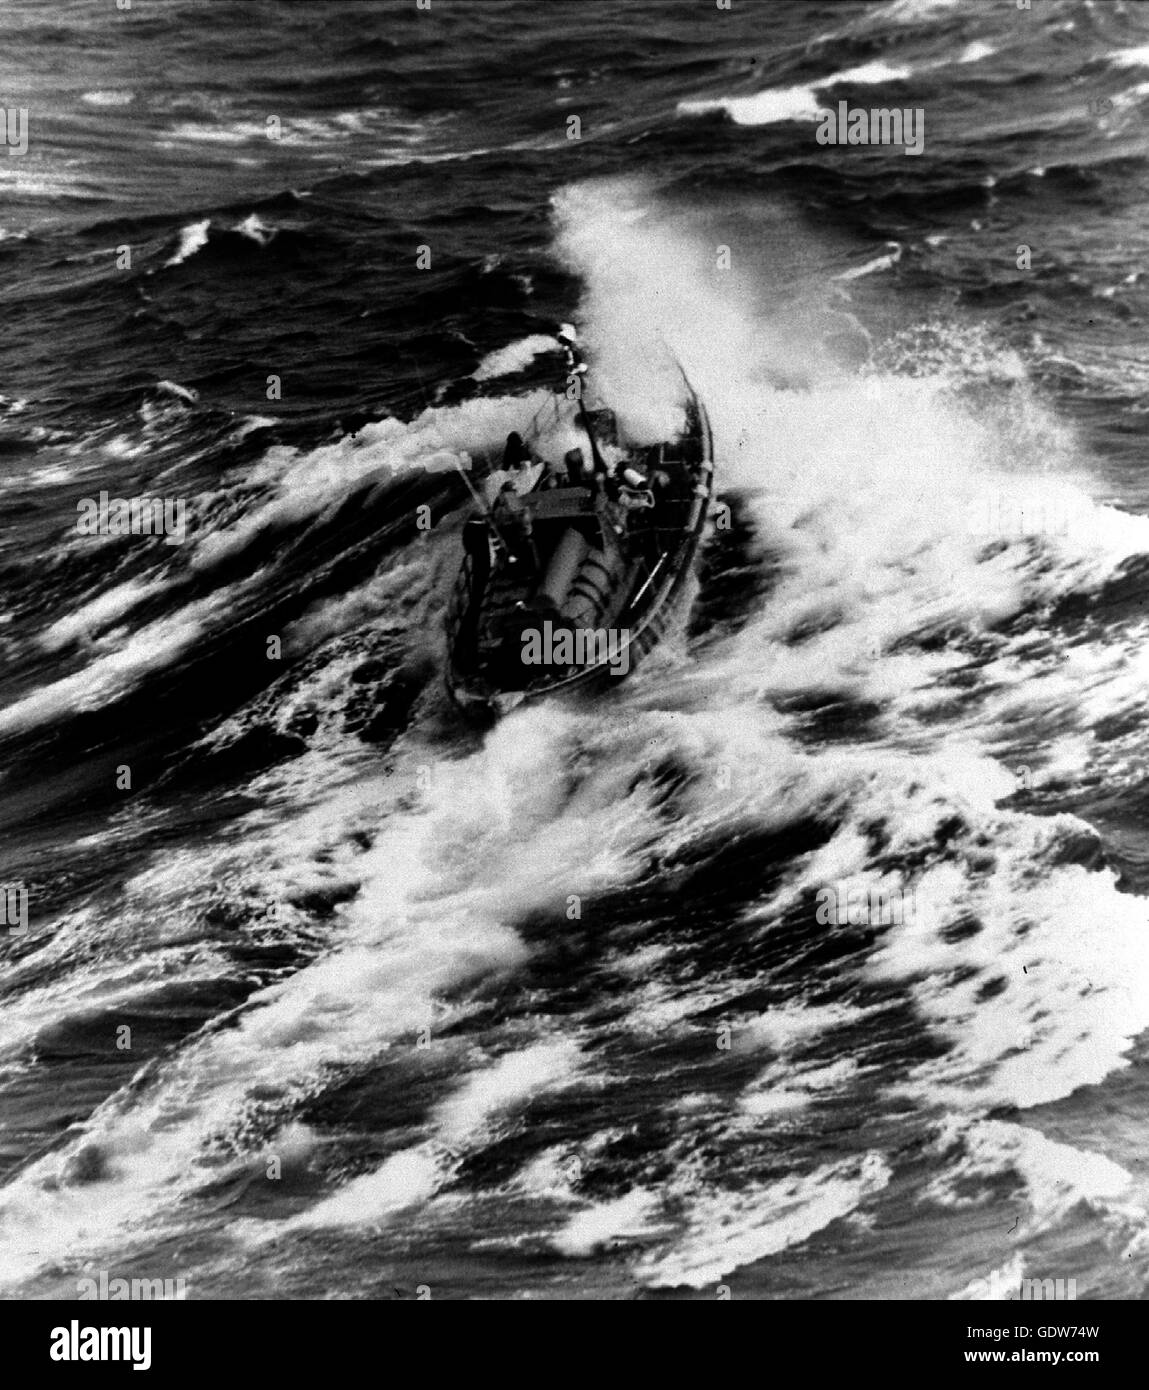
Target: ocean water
301 1009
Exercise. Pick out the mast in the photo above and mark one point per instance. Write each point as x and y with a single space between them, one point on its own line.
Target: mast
599 465
577 368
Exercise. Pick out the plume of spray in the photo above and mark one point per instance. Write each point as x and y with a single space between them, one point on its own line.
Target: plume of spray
661 287
651 298
896 504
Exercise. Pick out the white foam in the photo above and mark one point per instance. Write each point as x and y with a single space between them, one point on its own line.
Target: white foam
1130 57
109 97
728 1230
120 983
998 1285
761 108
977 51
1052 1183
785 1088
120 666
912 11
255 229
173 388
406 1179
193 238
316 133
514 1078
632 1215
414 1175
494 835
304 484
873 72
798 103
865 493
99 612
514 357
1056 1176
873 266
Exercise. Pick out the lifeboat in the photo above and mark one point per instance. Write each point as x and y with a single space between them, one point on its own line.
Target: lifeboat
574 569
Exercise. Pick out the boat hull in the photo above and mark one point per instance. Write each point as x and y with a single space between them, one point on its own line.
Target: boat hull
661 606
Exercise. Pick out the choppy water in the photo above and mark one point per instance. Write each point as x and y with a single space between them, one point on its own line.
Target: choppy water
336 921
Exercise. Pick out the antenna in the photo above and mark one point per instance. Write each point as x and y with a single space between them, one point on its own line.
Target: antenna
569 338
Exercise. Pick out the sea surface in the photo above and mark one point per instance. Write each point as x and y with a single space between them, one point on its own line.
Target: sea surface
326 994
